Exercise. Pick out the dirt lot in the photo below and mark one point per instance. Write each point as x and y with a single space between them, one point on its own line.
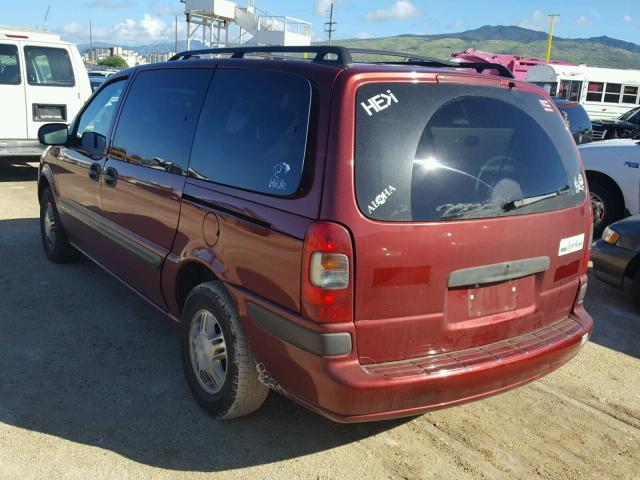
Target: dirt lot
91 387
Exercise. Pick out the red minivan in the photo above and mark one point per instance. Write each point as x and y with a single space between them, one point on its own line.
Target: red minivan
372 240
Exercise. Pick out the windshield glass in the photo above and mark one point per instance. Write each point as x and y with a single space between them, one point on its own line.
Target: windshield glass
625 117
427 152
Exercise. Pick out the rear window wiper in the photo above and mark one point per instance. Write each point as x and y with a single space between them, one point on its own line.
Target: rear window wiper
524 202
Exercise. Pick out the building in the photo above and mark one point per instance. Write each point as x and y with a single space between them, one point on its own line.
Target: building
157 57
94 55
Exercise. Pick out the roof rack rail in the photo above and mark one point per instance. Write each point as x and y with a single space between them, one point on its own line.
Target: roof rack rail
344 57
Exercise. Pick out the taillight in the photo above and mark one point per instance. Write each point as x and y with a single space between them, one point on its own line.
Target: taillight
586 256
327 275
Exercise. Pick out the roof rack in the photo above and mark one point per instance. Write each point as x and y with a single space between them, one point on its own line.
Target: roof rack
344 57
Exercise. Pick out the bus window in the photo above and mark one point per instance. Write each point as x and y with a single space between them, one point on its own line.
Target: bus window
570 90
630 95
574 91
594 91
612 93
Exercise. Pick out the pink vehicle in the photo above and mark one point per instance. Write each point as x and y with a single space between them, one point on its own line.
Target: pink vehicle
518 65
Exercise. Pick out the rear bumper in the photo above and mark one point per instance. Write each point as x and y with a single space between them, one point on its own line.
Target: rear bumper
340 388
610 262
20 148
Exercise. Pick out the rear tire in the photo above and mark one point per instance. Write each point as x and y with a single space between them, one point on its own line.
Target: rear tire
218 363
54 239
606 206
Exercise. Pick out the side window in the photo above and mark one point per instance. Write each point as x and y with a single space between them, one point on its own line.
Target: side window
159 118
49 67
253 131
594 91
630 94
98 115
612 93
9 65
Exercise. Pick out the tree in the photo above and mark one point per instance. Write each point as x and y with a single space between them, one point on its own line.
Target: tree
114 61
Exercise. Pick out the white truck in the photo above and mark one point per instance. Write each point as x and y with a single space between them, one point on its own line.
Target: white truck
42 80
613 175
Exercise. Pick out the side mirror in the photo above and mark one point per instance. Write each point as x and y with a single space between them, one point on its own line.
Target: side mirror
94 142
53 134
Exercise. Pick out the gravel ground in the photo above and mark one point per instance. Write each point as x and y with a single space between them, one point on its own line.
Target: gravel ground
91 387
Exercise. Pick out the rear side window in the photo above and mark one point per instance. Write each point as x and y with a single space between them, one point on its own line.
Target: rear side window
577 117
159 118
428 152
9 65
253 131
49 67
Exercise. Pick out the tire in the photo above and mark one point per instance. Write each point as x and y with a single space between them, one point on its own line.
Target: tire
225 388
54 239
607 208
635 289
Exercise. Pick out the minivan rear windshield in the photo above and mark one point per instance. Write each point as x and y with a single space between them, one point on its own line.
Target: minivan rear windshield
436 152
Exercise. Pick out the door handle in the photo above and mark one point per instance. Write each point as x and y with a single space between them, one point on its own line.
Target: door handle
110 177
94 171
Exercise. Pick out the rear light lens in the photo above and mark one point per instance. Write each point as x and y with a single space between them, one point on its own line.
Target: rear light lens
329 270
581 294
327 278
587 250
610 236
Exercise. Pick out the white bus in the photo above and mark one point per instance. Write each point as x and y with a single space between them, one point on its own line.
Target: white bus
42 80
605 93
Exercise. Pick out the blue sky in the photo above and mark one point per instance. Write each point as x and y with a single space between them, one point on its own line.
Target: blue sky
132 22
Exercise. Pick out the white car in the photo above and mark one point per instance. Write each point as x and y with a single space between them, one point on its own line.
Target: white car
42 80
613 175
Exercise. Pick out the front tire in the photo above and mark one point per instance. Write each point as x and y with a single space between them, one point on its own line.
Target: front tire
606 207
54 239
216 357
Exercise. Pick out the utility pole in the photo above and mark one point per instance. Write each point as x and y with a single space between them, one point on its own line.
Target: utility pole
176 50
330 26
552 23
91 52
46 18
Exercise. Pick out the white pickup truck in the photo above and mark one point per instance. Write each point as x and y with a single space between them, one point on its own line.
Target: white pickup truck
613 175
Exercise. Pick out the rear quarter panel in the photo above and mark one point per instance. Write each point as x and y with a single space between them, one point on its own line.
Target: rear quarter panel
245 244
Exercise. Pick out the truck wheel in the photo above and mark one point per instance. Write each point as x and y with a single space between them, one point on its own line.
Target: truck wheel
217 361
635 289
54 239
606 207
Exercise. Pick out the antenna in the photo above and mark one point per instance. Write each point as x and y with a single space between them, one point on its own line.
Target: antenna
330 26
552 22
46 17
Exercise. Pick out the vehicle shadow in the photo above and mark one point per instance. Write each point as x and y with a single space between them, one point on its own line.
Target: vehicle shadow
86 360
18 169
616 320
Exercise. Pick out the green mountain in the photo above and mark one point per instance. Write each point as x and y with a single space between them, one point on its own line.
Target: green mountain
597 51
